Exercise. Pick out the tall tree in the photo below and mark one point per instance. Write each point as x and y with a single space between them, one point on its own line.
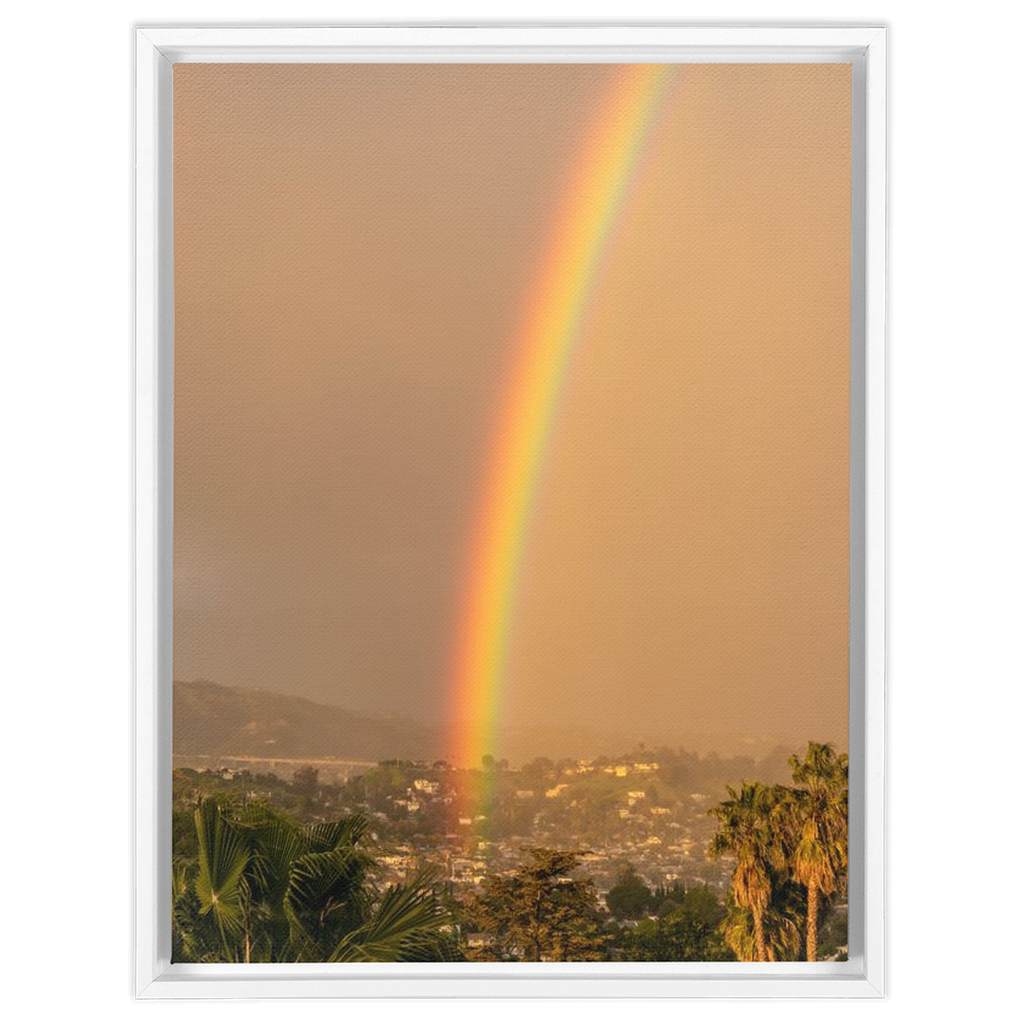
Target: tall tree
540 912
750 831
819 815
781 923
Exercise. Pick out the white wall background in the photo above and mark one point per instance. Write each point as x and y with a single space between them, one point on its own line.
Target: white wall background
955 518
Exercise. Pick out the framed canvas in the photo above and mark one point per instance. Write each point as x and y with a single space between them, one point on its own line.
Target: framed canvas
510 511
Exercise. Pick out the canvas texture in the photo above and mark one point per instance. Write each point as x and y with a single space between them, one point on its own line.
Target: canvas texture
511 511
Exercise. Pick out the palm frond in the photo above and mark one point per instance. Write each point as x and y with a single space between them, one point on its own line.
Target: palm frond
275 842
404 927
330 835
223 857
320 887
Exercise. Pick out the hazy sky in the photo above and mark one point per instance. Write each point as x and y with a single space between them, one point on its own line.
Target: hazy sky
353 248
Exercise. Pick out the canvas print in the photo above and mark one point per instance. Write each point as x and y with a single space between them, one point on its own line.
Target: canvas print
511 512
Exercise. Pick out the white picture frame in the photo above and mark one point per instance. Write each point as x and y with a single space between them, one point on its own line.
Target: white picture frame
157 50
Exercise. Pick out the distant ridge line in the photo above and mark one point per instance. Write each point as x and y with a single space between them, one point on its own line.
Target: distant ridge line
213 720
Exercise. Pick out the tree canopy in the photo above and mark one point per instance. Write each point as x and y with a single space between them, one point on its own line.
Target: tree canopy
539 912
629 898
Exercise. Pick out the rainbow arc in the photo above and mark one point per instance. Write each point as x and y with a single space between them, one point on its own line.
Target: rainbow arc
556 313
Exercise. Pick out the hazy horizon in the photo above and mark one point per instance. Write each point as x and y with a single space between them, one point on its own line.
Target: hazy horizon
530 739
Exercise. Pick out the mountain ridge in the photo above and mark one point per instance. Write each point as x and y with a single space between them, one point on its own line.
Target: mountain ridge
213 719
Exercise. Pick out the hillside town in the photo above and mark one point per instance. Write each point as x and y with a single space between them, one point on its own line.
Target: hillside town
635 857
649 810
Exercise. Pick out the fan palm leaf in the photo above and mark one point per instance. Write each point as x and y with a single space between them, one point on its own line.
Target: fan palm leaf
405 926
330 835
220 879
325 889
264 888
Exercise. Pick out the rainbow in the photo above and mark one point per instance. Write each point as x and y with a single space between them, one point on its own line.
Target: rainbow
547 338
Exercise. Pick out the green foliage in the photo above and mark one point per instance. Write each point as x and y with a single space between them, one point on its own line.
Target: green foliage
540 912
306 796
221 883
407 925
832 934
250 883
306 780
265 889
629 898
781 923
819 822
749 830
789 845
690 932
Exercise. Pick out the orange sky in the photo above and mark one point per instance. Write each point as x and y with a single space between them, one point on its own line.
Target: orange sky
353 247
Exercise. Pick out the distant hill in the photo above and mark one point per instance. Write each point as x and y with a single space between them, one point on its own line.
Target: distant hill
226 720
229 721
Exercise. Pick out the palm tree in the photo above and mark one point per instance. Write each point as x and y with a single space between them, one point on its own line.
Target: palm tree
819 819
781 922
749 830
264 888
